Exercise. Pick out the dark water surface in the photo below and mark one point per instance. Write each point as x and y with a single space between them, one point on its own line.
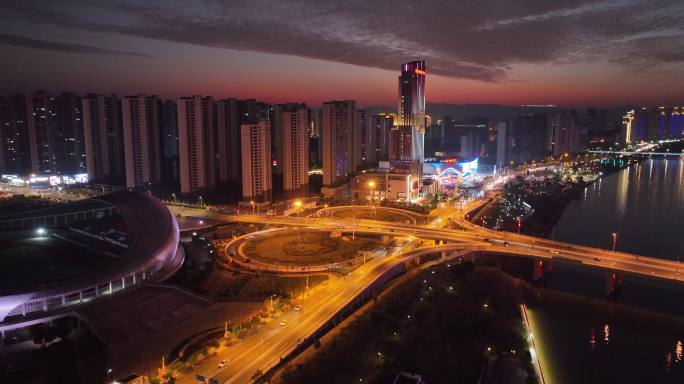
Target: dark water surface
602 343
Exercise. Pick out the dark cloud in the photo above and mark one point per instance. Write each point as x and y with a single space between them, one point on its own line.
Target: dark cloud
478 40
25 42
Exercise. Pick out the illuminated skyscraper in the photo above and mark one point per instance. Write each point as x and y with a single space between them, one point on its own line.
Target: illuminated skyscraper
407 136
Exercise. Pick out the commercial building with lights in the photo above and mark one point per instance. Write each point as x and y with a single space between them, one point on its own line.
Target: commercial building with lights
197 143
653 123
408 133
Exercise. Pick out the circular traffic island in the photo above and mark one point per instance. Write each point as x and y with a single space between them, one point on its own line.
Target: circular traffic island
306 247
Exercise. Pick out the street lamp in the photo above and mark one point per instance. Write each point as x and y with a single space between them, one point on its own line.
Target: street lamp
252 203
519 224
174 197
200 200
298 205
614 240
371 185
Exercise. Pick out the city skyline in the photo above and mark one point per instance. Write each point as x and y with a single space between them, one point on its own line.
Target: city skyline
547 53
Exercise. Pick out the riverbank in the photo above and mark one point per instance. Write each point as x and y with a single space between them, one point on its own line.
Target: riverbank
533 206
609 341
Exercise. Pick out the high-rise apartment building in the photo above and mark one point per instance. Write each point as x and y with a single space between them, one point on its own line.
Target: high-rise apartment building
363 140
530 137
293 147
142 140
103 138
170 155
231 114
55 130
566 135
338 120
256 162
15 157
197 146
408 135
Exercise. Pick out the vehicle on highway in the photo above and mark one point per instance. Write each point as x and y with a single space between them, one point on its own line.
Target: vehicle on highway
283 323
297 307
223 363
507 244
598 260
554 252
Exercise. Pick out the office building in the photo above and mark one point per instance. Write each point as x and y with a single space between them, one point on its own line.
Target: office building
142 140
15 156
338 120
256 161
293 148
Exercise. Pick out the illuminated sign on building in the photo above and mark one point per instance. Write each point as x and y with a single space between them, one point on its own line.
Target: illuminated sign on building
420 72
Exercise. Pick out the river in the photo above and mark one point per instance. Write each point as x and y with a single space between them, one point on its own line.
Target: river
637 338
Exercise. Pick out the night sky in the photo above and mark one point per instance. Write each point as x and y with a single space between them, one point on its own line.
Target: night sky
480 51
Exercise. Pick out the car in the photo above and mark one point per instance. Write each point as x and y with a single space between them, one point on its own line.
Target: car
283 323
554 252
507 244
223 363
297 307
596 259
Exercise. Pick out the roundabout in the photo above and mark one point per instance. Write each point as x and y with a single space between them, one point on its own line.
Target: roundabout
306 250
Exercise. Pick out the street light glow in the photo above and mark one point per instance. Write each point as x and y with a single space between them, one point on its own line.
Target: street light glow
41 231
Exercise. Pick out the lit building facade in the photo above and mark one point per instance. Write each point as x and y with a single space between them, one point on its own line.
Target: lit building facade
15 157
197 146
653 123
142 140
338 122
407 137
293 147
55 129
256 161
